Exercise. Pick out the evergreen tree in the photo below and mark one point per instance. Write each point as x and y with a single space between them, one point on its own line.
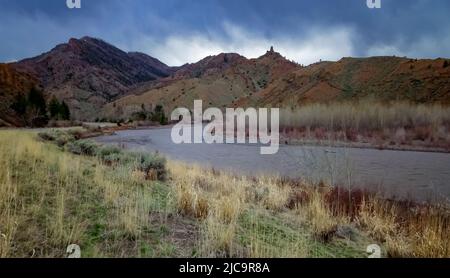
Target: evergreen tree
158 115
54 108
20 105
32 109
164 120
65 111
36 100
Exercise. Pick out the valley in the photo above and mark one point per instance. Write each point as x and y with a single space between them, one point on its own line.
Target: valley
87 157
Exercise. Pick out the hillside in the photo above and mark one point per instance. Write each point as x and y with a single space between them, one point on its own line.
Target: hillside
381 78
271 80
12 83
219 81
98 80
88 72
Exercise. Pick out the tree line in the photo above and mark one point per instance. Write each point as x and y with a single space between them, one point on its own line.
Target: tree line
33 109
157 115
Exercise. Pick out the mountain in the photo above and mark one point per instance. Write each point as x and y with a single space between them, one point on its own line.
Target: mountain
98 80
12 84
88 73
271 80
219 81
381 78
209 65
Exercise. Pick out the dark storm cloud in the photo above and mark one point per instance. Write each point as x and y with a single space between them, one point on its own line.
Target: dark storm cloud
178 31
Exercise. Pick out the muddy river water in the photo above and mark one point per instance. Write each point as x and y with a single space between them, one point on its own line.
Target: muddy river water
417 175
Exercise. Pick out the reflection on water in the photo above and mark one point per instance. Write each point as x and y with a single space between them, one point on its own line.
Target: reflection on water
397 173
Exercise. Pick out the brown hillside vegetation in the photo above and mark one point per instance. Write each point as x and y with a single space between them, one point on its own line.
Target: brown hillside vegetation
271 80
88 72
98 80
219 81
12 83
380 78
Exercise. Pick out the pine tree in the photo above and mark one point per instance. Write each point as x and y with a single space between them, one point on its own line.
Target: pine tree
36 100
54 108
65 111
20 105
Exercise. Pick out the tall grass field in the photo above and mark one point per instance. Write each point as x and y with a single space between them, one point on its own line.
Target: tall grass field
56 191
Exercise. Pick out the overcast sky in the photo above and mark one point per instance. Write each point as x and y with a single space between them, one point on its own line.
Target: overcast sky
181 31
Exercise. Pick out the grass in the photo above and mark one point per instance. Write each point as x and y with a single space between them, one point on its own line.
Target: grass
396 123
50 199
269 217
52 196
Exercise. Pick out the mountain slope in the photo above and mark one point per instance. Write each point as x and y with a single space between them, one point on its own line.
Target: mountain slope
88 72
98 80
271 80
382 78
217 80
12 83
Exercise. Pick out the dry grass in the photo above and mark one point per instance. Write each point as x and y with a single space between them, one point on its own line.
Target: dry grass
227 208
366 115
34 198
50 199
322 221
390 123
408 230
219 200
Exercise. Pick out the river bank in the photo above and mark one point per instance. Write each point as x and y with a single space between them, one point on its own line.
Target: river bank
404 174
101 198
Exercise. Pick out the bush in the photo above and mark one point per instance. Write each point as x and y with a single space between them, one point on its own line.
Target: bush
76 133
107 151
63 139
113 158
152 165
92 127
47 136
83 147
60 137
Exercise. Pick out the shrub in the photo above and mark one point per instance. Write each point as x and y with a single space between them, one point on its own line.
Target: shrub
108 151
84 147
76 133
152 164
47 136
112 158
63 139
92 127
60 137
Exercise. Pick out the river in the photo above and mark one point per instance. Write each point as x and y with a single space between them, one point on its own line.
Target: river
403 174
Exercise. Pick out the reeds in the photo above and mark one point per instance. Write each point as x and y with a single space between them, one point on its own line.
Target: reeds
391 123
